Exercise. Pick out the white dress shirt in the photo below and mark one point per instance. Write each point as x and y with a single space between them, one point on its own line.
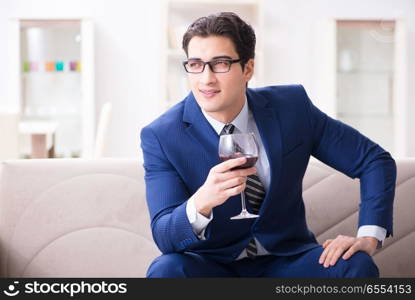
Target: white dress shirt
244 122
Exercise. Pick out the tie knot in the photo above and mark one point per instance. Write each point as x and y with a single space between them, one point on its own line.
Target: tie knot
227 129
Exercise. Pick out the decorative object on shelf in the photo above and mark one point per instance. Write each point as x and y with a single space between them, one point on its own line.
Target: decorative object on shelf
30 66
75 66
26 66
49 66
34 66
59 66
72 65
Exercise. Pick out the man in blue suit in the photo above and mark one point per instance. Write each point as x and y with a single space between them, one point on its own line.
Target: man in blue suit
191 195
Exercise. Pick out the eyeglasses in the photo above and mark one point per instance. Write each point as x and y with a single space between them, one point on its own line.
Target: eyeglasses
216 65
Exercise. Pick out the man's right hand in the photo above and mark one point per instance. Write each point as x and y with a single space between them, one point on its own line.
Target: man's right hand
221 184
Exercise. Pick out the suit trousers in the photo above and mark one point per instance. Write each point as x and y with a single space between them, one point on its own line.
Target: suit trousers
189 264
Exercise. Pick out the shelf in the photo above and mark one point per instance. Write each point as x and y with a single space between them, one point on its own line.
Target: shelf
50 74
357 72
54 115
53 79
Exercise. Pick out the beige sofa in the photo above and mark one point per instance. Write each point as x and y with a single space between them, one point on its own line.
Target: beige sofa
88 218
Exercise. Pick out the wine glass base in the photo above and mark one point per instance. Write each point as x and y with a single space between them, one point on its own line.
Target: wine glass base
244 215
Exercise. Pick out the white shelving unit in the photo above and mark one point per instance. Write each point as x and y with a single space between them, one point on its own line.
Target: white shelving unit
365 77
62 93
178 15
360 77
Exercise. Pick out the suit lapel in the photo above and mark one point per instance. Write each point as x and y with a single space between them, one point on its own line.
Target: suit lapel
201 131
270 131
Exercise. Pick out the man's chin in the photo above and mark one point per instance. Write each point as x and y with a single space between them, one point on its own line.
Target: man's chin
210 108
208 105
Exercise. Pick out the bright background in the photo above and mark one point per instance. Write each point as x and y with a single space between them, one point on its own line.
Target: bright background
130 40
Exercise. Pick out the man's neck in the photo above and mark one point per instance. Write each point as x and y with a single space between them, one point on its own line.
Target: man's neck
222 118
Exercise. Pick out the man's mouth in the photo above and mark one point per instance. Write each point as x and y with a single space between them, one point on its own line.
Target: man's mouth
209 93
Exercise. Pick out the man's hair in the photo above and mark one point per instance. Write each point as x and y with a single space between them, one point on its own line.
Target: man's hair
225 24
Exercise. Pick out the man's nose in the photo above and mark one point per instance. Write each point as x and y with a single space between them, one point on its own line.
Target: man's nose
208 76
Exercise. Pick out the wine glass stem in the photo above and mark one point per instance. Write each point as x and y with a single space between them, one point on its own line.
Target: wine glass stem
243 201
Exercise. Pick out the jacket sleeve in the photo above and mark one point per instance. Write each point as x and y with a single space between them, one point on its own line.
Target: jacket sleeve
347 150
166 196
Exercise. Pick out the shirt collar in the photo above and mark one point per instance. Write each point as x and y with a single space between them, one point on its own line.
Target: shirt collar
240 121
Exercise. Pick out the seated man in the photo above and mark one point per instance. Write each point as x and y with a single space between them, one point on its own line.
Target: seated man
191 195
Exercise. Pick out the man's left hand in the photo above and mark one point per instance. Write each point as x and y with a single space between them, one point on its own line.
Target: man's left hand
334 248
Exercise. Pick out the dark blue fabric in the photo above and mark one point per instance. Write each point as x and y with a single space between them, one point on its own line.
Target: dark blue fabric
304 265
180 147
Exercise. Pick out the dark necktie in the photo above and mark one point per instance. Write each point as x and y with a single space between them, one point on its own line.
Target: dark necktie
254 193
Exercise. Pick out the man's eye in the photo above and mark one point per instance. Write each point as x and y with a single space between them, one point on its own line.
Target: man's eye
221 62
195 64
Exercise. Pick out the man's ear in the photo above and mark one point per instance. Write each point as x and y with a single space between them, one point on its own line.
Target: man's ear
249 69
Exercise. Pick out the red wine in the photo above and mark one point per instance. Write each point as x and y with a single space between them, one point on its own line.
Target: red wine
250 160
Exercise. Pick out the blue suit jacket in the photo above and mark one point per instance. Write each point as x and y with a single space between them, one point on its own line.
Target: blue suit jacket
180 147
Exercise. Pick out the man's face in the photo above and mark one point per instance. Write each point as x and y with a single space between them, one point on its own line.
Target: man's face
221 95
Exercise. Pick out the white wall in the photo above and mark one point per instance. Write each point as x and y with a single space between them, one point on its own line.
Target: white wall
128 49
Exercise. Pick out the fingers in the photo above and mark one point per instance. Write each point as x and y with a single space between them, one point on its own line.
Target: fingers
230 178
235 190
365 244
229 164
335 255
334 249
236 173
233 182
326 243
222 183
352 250
346 246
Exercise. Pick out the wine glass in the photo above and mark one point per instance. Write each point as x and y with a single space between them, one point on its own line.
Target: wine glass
239 145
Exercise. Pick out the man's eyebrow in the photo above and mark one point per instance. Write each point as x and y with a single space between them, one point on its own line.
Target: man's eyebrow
222 56
215 57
